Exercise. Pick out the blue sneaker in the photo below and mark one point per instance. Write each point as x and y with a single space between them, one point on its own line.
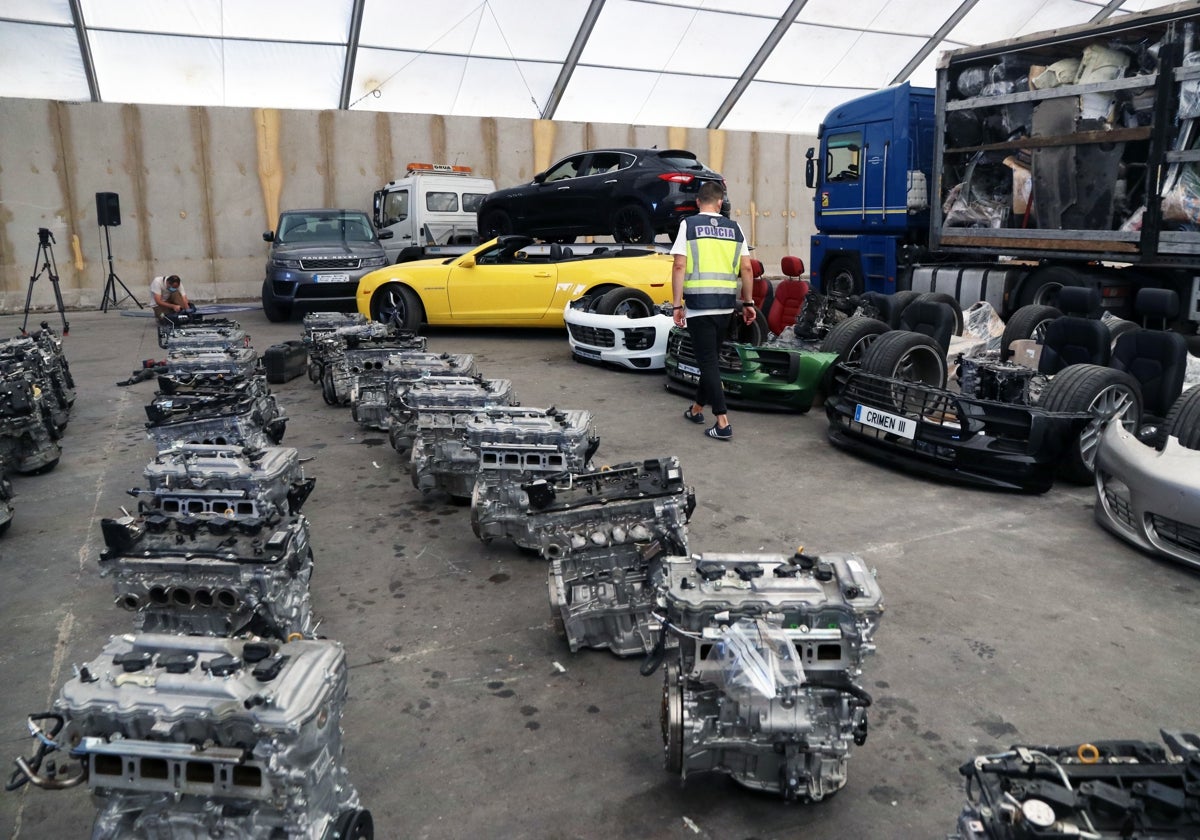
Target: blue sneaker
717 433
698 417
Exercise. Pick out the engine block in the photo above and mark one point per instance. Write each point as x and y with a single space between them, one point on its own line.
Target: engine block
368 358
218 334
445 394
507 443
762 686
203 361
230 481
28 438
191 737
1005 382
377 383
1103 789
211 575
239 416
40 359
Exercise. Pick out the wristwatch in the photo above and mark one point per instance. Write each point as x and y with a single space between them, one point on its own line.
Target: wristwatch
746 304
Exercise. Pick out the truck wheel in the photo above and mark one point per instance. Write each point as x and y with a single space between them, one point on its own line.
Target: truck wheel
398 306
908 356
632 303
1041 285
1183 420
755 333
495 223
851 338
631 223
1026 322
842 278
1106 394
355 825
275 311
949 300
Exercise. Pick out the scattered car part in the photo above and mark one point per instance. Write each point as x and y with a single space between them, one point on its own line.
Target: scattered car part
441 394
638 343
243 416
379 379
188 736
211 574
763 684
1102 790
502 444
285 361
28 439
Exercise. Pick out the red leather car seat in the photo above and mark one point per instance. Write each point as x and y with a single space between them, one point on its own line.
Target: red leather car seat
789 296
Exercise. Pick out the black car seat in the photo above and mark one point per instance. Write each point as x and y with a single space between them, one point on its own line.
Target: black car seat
1156 358
1077 337
567 253
556 252
931 318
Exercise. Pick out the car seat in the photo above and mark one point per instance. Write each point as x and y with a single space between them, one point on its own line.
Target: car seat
1156 358
1075 338
764 293
789 296
931 318
556 252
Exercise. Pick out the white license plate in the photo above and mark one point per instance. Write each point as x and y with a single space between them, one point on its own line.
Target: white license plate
587 354
331 278
882 420
694 371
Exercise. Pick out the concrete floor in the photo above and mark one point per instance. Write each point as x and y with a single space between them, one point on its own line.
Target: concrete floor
1008 619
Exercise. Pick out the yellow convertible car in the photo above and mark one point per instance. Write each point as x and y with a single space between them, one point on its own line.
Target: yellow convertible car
508 283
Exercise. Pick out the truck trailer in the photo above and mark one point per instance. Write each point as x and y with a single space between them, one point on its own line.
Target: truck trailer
1064 158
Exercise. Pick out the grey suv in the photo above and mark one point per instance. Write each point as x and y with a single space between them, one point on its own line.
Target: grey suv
317 258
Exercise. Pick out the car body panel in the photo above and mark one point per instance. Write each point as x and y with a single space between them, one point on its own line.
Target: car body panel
1149 497
634 343
490 286
968 441
779 378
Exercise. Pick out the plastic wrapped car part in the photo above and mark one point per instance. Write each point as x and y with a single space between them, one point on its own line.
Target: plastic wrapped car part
1101 790
444 394
230 481
190 737
377 379
241 417
603 533
210 574
726 709
1061 72
28 439
508 443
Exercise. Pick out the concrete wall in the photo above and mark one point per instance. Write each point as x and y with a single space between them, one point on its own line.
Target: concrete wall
198 186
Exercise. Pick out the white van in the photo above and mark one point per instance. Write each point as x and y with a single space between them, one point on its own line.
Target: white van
431 211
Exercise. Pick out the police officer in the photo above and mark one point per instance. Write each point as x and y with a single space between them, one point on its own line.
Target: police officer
710 264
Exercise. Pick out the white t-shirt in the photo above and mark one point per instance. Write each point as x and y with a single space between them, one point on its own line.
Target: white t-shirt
158 286
680 248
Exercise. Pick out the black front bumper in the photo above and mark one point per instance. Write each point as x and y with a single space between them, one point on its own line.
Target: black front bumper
968 441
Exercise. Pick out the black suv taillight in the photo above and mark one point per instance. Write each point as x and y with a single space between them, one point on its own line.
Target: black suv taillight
677 177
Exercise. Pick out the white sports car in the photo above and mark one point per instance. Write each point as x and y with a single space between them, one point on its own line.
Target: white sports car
635 338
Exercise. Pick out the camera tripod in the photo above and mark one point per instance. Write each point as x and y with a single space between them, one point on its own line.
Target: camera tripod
45 256
110 287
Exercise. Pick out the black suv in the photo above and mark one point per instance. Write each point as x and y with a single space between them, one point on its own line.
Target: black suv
317 258
632 194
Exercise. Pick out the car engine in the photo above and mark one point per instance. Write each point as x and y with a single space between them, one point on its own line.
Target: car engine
444 394
604 534
1006 382
367 360
762 685
189 737
205 361
230 481
1103 789
28 439
219 334
39 358
502 444
211 574
242 413
374 390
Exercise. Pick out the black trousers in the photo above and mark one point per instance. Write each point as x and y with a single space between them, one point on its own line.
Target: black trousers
707 332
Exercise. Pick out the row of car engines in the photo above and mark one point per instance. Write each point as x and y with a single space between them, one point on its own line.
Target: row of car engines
36 395
763 652
220 714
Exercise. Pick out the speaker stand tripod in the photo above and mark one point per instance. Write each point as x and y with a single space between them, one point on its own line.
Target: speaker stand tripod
45 256
110 287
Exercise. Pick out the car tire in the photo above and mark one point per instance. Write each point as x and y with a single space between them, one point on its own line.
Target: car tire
949 300
908 356
495 223
1042 284
842 278
398 306
1117 327
1103 392
631 224
275 311
1026 322
1183 420
632 303
755 333
851 338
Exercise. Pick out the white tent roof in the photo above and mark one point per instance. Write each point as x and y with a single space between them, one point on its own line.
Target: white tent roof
752 65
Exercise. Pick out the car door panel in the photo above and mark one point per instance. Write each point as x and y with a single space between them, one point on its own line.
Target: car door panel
519 291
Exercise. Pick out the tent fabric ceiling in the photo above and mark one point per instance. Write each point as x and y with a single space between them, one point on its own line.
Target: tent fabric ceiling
749 65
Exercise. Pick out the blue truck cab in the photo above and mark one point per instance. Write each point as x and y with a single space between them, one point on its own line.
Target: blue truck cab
872 181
